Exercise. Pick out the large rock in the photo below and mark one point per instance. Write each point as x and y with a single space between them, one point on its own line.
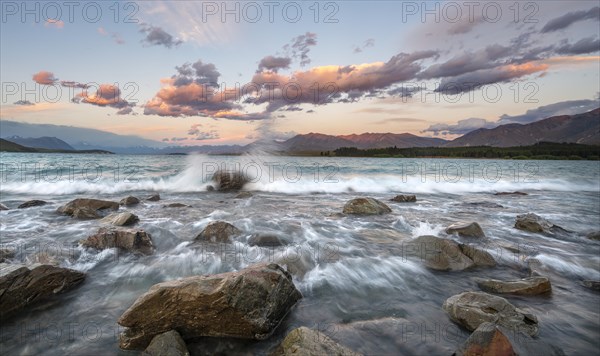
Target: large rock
130 200
218 231
467 229
486 340
525 286
85 213
167 344
32 203
404 198
6 253
153 197
94 204
535 223
305 341
121 219
3 207
247 304
471 309
229 181
366 206
126 239
21 285
447 255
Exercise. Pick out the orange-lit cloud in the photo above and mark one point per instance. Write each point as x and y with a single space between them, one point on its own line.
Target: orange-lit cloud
44 78
54 23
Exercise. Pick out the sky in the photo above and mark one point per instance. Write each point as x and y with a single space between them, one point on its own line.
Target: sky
206 72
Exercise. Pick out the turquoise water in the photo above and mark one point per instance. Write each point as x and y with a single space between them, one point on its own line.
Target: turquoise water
358 286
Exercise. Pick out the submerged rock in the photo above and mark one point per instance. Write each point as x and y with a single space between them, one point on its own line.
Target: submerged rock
486 340
247 304
32 203
593 285
366 206
167 344
3 207
305 341
85 213
594 235
22 285
210 188
153 197
526 286
404 198
126 239
176 205
94 204
535 223
268 240
243 195
447 255
228 181
121 219
510 193
471 309
6 253
130 200
468 229
218 231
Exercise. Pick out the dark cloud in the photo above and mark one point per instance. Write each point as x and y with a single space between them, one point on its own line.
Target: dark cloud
467 62
583 46
570 18
465 26
23 103
570 107
300 46
274 63
72 84
199 73
208 135
126 111
156 36
461 127
368 43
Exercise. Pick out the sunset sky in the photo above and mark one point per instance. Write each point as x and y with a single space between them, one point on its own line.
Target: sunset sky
157 69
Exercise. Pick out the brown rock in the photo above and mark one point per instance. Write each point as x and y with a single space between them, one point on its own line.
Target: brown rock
94 204
126 239
130 200
32 203
486 340
85 213
176 205
593 285
121 219
404 198
228 181
268 240
247 304
480 257
366 206
467 229
535 223
447 255
526 286
218 231
167 344
594 235
154 197
5 254
243 195
21 285
305 341
471 309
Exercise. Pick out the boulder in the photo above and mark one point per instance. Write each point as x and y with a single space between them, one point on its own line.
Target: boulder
247 304
130 240
535 223
121 219
176 205
128 201
267 240
486 340
510 193
22 285
525 286
594 235
229 181
593 285
447 255
32 203
6 253
366 206
169 343
471 309
3 207
404 198
218 231
94 204
85 213
467 229
243 195
154 197
305 341
210 188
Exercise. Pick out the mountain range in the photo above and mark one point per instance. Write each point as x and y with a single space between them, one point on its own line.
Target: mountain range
580 128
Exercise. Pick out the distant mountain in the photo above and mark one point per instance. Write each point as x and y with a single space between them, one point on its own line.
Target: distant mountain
581 128
52 143
9 146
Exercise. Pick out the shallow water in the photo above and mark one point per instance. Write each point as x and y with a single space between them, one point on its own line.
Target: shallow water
359 285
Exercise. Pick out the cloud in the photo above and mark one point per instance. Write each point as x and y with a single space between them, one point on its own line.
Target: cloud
368 43
583 46
273 64
156 36
54 23
461 127
23 103
72 84
397 120
208 135
126 111
464 26
44 78
570 107
106 95
570 18
300 46
467 62
114 35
